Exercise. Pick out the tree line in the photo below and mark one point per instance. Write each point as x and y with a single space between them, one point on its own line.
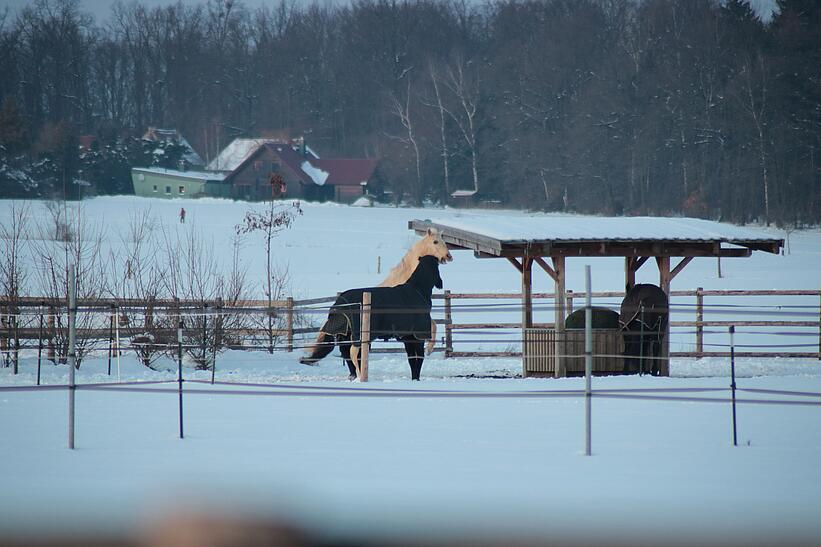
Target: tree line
658 107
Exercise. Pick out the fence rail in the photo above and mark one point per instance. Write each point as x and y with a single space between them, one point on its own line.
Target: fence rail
254 325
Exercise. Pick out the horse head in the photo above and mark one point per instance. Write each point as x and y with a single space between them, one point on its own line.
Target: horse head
426 275
433 245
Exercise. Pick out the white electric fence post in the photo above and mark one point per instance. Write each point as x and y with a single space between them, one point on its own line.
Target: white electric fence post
732 381
588 359
179 371
72 357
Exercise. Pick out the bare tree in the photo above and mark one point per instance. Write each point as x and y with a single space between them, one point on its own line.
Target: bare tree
402 110
13 275
271 221
54 258
440 109
135 275
465 88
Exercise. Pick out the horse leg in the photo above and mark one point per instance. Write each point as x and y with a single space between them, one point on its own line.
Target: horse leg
345 350
655 351
632 347
355 360
432 341
416 355
323 345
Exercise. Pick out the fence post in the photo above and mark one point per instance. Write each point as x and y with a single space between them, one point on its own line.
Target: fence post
72 323
50 352
449 326
569 304
700 321
217 325
365 336
16 322
588 360
289 323
110 338
39 346
5 341
179 370
205 334
732 381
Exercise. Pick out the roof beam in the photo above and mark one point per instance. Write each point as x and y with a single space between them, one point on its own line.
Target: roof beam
546 267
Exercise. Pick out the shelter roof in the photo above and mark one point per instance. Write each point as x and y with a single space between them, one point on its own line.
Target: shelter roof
346 171
569 235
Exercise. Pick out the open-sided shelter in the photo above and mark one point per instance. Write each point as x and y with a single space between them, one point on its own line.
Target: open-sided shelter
549 240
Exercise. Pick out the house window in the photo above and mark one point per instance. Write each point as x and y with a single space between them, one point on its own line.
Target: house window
167 190
155 188
182 190
274 167
257 165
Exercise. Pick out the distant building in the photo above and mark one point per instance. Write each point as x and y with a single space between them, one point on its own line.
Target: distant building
169 183
264 168
172 135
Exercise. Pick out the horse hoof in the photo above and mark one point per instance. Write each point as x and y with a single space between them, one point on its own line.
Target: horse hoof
307 361
351 377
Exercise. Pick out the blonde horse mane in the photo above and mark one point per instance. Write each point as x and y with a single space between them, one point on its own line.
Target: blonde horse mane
431 244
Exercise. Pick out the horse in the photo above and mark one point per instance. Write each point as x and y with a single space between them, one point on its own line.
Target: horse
433 245
401 312
643 320
430 245
602 318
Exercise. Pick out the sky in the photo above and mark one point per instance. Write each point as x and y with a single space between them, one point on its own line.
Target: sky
102 8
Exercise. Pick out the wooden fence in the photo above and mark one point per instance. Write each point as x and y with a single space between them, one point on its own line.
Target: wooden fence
810 318
285 323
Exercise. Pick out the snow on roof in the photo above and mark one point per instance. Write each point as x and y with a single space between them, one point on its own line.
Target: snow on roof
346 171
317 175
193 175
560 227
235 153
462 193
172 135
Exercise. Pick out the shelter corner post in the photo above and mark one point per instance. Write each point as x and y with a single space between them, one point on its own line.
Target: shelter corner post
559 296
527 306
664 282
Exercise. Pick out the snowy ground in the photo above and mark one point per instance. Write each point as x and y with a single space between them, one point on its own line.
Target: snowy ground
320 455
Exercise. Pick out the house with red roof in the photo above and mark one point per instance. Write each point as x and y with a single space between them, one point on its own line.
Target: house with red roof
260 169
266 168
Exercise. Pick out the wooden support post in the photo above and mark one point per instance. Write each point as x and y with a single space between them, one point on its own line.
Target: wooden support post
700 321
205 335
569 305
50 352
449 325
629 273
365 338
527 306
664 282
558 266
289 322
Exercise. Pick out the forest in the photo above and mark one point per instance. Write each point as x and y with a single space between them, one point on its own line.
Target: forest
634 107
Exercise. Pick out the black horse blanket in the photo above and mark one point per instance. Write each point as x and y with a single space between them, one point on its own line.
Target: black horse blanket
396 312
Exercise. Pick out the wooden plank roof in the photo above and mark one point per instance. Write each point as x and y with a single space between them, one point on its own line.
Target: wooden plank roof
563 235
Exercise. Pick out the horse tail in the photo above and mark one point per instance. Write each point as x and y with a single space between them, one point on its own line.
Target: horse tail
323 345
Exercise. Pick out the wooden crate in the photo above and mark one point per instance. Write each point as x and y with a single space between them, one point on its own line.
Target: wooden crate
540 351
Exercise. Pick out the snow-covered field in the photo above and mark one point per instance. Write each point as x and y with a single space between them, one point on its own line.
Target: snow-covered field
315 453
